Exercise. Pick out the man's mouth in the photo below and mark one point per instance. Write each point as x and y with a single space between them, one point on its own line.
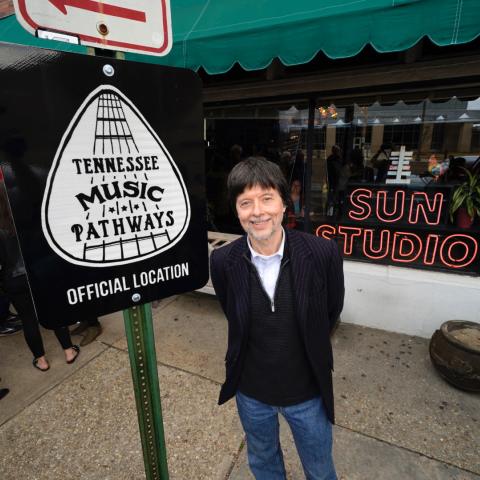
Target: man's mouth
259 222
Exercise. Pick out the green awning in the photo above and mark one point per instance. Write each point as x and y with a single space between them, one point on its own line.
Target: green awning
12 32
216 34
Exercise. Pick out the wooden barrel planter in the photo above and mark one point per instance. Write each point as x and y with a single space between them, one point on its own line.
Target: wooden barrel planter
455 353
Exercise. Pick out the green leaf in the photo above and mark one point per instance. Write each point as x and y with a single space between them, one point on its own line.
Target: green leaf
467 195
470 210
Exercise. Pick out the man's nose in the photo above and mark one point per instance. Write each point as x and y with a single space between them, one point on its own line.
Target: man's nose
257 208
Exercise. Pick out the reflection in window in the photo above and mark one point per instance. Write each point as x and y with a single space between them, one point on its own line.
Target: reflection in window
354 147
476 136
438 134
407 134
277 132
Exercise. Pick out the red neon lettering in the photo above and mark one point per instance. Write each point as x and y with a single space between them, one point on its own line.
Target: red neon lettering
397 212
349 233
403 241
357 200
326 231
430 259
446 253
449 252
382 250
455 251
434 209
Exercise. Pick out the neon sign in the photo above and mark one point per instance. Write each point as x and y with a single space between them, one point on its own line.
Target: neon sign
364 202
407 210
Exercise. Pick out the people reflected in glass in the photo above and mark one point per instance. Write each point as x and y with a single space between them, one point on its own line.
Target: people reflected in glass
334 168
297 197
455 173
359 172
295 209
381 162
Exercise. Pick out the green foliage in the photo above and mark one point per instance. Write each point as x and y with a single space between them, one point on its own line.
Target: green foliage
467 195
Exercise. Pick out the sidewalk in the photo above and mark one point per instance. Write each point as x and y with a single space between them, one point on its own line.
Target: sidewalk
396 419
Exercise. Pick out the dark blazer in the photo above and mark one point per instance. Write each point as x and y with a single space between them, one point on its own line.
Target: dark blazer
318 288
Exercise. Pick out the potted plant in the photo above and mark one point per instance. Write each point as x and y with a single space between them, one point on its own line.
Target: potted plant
466 200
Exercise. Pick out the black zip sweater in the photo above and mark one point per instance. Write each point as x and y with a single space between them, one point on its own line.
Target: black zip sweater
276 370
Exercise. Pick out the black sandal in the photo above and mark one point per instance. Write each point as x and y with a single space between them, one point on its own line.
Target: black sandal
77 349
35 364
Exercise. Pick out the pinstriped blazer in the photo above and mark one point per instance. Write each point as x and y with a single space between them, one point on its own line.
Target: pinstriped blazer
318 289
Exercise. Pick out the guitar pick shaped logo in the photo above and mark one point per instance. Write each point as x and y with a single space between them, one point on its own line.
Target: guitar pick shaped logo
114 194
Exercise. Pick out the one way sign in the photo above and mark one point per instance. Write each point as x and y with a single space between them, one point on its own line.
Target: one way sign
142 26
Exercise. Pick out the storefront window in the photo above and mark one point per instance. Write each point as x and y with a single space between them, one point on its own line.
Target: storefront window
383 176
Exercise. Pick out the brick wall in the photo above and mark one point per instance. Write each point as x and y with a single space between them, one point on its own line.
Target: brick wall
6 8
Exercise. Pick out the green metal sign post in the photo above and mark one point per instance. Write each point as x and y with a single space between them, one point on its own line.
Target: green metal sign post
143 362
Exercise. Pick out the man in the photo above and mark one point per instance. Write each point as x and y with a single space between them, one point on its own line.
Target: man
281 291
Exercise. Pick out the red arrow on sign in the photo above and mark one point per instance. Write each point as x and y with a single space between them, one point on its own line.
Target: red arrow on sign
104 8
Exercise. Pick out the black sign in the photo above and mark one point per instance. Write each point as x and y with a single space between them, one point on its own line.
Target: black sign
104 168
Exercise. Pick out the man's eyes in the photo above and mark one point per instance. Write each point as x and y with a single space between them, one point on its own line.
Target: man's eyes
247 203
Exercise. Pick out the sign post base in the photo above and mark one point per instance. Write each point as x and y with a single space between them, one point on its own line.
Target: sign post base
143 362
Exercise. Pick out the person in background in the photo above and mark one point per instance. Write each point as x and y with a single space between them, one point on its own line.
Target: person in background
282 292
14 282
236 155
286 163
358 171
334 168
455 173
299 168
381 161
296 198
10 324
294 213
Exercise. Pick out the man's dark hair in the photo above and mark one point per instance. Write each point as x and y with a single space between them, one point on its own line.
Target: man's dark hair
256 171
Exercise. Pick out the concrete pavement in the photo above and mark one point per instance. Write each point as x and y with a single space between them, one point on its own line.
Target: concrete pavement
396 419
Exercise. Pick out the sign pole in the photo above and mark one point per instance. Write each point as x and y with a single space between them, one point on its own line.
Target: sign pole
143 362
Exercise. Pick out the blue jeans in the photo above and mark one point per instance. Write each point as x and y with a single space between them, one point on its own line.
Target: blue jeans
311 429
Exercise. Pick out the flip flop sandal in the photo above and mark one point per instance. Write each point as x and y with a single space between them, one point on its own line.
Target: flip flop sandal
35 364
77 349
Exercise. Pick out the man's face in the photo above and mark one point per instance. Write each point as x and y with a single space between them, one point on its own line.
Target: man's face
260 212
296 186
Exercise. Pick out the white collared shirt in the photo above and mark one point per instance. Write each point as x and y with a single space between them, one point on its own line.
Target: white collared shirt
268 266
